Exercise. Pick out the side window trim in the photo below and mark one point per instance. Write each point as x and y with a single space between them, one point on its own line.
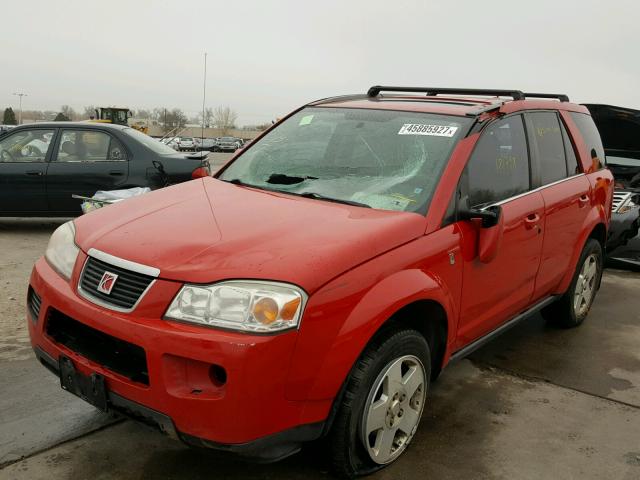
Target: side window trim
534 165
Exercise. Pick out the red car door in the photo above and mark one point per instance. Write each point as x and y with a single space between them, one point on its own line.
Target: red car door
498 173
566 192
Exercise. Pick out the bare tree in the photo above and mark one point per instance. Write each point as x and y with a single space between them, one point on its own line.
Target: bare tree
208 118
224 118
158 114
68 112
143 113
34 116
89 112
174 119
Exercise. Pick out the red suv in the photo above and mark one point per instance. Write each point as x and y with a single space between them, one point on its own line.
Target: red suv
328 273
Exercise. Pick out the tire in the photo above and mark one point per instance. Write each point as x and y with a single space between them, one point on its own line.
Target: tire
374 382
573 307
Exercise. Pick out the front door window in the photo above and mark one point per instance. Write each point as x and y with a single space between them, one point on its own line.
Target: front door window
26 146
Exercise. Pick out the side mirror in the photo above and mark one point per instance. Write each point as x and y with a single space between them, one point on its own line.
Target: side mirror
491 230
490 217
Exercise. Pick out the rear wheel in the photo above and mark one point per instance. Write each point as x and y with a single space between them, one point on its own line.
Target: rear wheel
573 307
382 405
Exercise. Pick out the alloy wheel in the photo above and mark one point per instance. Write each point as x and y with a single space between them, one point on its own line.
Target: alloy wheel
586 285
393 409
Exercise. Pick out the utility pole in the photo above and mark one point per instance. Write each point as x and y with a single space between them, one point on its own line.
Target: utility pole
20 111
204 96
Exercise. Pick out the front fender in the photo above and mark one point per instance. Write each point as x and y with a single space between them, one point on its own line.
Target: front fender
342 317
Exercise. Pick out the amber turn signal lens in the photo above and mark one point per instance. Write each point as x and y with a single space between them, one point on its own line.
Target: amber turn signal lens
265 311
290 308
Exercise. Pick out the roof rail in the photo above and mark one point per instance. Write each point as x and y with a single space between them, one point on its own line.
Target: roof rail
339 98
560 96
515 94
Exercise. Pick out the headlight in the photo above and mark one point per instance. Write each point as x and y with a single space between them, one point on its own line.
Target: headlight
629 205
62 252
247 305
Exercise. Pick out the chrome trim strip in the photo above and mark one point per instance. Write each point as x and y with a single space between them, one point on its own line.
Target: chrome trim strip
87 296
126 264
515 197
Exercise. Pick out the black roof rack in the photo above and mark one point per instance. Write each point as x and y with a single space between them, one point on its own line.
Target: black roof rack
560 96
515 94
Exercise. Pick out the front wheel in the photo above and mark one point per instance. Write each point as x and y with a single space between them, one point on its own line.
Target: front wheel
382 405
573 307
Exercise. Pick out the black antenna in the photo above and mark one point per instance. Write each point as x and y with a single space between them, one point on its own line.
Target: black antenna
204 97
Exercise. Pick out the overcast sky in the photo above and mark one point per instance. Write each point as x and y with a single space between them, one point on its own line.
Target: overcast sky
267 57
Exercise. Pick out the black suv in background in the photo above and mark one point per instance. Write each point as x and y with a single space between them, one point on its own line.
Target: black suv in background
42 165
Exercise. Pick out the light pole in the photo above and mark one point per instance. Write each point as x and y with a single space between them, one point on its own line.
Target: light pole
20 111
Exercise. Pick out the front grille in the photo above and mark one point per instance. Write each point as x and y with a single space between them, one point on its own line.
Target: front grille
127 289
33 303
618 199
117 355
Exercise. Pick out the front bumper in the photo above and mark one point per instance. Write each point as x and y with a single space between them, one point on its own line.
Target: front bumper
266 449
247 414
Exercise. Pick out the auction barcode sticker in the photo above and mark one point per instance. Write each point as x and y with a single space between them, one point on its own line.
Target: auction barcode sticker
422 129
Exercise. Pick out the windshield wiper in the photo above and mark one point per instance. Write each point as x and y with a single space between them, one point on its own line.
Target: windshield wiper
237 181
319 196
284 179
314 195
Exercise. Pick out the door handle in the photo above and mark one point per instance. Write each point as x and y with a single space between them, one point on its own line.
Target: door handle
34 172
531 221
116 173
583 200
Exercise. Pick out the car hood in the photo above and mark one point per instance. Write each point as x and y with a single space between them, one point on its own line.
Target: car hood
619 129
207 230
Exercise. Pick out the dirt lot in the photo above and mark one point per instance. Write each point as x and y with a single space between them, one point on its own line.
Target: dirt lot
536 403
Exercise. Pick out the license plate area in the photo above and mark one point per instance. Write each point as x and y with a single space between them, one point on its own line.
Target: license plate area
91 388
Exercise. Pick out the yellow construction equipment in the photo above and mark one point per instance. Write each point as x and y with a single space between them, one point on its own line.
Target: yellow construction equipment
119 116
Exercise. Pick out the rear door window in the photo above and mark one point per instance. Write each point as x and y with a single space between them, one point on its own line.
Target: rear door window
591 137
548 145
499 166
89 146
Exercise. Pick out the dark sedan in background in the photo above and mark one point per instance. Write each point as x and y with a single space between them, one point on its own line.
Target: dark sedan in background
42 165
620 132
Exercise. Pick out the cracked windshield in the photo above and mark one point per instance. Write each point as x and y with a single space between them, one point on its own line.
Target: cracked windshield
380 159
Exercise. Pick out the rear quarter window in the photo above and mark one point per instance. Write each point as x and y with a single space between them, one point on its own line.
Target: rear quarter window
573 168
591 137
